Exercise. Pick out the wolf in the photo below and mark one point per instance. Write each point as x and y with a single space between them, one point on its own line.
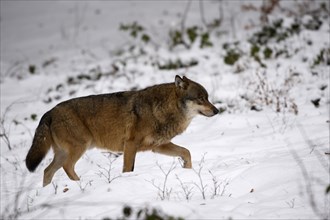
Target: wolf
128 122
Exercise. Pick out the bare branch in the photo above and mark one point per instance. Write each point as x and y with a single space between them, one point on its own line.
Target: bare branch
107 172
201 11
55 187
163 191
83 186
201 186
184 17
187 191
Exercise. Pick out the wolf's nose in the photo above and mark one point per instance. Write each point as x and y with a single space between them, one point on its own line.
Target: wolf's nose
215 111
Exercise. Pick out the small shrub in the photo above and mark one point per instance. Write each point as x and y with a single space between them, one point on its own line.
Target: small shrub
33 117
192 33
268 53
136 31
133 28
275 32
281 52
32 69
189 36
177 64
205 40
176 38
254 52
327 190
144 214
164 192
276 96
231 57
322 57
314 23
316 102
233 53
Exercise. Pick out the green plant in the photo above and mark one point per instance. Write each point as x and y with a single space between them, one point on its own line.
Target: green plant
136 31
231 57
268 53
254 52
177 64
322 57
205 40
192 33
275 32
33 117
188 36
233 53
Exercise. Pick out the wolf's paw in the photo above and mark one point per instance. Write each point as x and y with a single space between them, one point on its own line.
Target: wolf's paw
187 165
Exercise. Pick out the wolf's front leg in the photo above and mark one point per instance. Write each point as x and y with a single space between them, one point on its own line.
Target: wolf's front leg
129 156
174 150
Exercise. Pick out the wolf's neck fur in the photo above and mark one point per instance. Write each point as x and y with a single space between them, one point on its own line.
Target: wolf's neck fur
167 108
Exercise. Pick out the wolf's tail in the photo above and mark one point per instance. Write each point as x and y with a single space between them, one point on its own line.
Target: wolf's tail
41 143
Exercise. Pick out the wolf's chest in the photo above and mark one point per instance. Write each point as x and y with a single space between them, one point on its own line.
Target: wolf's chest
164 132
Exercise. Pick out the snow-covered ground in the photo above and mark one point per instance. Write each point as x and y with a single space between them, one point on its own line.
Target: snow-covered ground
265 157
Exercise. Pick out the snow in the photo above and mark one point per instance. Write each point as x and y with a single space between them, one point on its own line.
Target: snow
267 164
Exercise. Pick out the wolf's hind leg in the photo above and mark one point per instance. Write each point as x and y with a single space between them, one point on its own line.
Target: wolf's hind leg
58 161
73 156
174 150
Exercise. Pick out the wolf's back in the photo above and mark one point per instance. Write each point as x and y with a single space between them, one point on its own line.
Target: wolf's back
41 143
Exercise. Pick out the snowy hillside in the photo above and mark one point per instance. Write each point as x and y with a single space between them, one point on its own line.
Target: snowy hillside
265 64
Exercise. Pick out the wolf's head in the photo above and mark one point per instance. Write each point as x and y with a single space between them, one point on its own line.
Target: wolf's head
195 97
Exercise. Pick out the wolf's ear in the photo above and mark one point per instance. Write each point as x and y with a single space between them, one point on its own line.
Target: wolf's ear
181 83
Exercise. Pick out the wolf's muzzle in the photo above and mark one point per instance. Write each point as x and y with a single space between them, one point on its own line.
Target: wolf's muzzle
215 111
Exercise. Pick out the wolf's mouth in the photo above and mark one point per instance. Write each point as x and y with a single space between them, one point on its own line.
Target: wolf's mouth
202 113
208 114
